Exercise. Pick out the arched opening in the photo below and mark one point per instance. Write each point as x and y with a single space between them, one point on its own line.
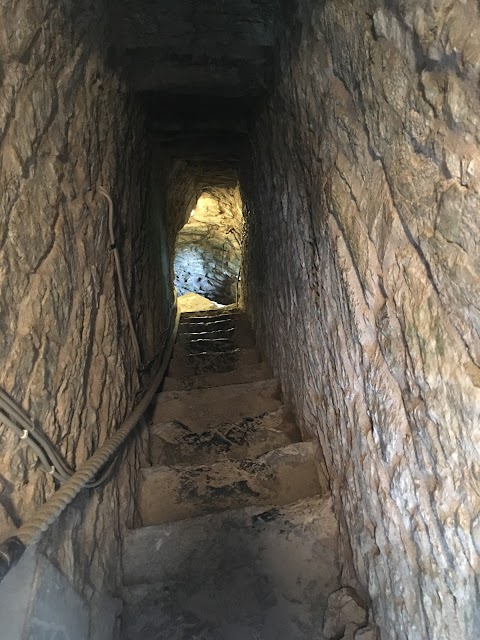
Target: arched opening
208 250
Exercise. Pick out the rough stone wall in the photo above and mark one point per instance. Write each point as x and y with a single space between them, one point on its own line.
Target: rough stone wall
68 125
362 191
208 248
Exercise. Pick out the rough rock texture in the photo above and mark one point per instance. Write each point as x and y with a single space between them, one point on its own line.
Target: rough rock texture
208 248
370 632
249 437
68 126
243 574
362 186
344 614
202 408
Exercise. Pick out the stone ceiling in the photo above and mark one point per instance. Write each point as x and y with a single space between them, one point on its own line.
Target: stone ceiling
200 66
195 47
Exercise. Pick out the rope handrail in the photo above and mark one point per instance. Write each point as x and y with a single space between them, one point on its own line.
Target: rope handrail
141 366
53 462
15 417
12 549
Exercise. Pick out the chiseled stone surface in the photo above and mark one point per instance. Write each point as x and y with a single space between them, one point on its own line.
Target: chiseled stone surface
344 614
68 126
370 632
362 186
200 409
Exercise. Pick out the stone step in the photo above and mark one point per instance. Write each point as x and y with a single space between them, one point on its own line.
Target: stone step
184 364
212 314
240 323
208 324
200 321
200 409
238 336
174 443
202 345
174 493
246 373
197 321
237 575
240 319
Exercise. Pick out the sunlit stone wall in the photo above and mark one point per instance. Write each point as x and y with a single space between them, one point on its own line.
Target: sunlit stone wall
208 249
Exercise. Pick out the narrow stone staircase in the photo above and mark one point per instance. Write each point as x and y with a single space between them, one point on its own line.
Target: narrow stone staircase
235 542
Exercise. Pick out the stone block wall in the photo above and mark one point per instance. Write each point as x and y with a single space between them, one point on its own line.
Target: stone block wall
362 192
67 126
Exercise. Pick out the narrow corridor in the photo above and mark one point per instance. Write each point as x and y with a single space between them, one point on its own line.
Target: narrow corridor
308 468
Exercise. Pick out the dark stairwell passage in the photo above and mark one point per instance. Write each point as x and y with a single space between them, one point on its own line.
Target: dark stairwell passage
236 539
317 478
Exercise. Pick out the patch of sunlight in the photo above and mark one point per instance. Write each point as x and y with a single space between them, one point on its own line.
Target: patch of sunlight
196 302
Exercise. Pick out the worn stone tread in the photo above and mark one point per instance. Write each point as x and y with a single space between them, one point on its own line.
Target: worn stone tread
205 344
236 542
256 572
203 408
207 325
153 552
169 493
215 314
221 324
238 336
240 375
184 364
174 443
